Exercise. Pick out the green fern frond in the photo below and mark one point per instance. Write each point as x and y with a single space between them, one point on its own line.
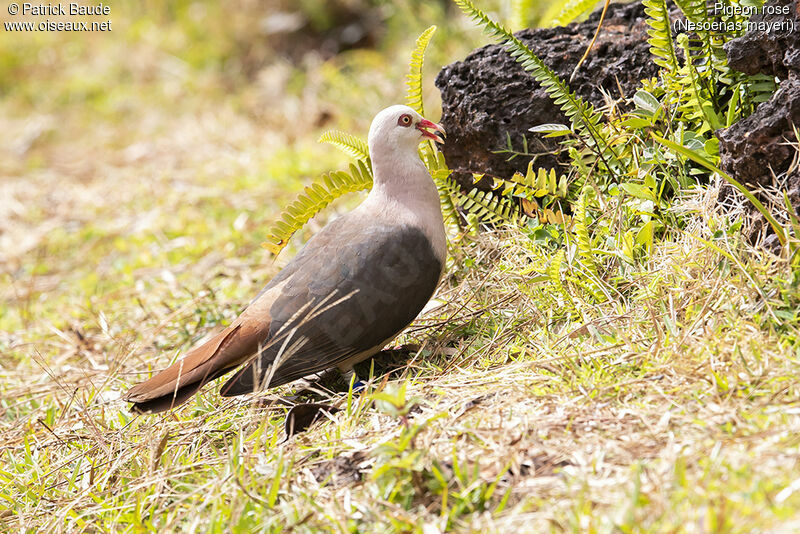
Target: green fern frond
490 207
520 13
447 187
554 270
571 11
414 76
485 206
538 182
699 97
696 11
581 113
315 198
585 250
448 192
662 47
554 274
583 273
707 52
349 144
760 88
588 286
433 160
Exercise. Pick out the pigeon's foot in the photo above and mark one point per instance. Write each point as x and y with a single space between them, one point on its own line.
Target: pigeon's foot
350 377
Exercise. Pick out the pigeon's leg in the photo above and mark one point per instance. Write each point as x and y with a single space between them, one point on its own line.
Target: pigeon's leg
349 375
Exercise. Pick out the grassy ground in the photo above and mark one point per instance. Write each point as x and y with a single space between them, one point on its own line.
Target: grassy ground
138 175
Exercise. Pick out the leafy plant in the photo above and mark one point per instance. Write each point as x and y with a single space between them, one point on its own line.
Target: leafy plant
662 47
406 474
628 165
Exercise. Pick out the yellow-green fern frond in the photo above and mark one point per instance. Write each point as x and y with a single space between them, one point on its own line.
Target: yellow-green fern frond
448 191
414 76
585 250
554 270
554 275
520 13
566 13
588 286
490 207
315 198
349 144
434 161
662 47
584 272
537 183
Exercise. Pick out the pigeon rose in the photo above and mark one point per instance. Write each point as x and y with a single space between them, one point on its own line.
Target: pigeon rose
354 286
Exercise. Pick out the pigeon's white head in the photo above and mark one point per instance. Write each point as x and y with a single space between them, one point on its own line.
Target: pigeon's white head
400 128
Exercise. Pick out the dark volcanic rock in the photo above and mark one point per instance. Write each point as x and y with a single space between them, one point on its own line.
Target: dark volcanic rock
488 97
775 53
753 146
757 148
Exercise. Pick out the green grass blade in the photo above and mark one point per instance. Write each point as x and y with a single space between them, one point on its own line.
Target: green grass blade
697 158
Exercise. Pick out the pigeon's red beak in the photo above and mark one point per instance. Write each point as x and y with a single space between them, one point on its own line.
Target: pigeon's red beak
425 126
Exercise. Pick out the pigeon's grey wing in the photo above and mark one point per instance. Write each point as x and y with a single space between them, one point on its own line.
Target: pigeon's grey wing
350 290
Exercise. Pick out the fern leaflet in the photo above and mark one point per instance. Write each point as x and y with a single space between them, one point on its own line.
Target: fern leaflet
490 207
315 198
582 233
347 143
520 13
414 76
662 48
571 11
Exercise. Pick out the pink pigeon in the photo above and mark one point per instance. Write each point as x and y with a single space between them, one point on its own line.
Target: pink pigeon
353 288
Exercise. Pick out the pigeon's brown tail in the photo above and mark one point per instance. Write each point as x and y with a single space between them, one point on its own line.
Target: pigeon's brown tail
177 383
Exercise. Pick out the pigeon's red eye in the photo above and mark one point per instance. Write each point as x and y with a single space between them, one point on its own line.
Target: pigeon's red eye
404 120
